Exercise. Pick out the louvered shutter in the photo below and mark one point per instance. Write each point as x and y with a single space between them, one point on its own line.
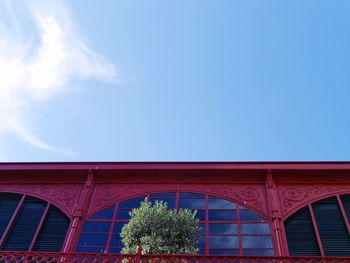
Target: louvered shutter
300 233
331 227
52 232
25 225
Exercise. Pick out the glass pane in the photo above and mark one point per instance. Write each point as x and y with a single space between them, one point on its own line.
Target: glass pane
123 214
90 249
191 195
255 252
216 203
257 242
201 243
131 203
200 214
192 203
118 227
222 229
104 214
201 252
223 242
170 201
115 250
116 241
202 229
249 215
227 252
8 205
96 227
92 240
163 195
222 215
258 229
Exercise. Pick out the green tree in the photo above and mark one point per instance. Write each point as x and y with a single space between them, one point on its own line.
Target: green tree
160 230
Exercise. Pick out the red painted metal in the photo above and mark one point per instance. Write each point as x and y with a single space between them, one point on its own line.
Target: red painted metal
36 257
39 227
316 230
11 220
274 190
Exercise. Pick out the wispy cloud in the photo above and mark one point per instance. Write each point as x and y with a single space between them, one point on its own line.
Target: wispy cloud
36 67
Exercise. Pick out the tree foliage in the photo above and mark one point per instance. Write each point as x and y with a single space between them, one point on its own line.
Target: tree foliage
160 230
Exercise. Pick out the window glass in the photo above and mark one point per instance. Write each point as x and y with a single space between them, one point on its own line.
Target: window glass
118 227
104 214
131 203
123 214
257 242
222 215
170 201
227 229
227 252
218 222
96 227
90 249
258 229
92 240
192 203
249 215
223 242
215 203
258 252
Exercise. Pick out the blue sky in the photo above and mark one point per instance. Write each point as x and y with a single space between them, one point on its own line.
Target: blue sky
184 80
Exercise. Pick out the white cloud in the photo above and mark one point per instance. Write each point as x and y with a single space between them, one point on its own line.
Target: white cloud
37 66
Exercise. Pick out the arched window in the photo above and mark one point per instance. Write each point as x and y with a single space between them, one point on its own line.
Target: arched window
30 224
226 228
321 228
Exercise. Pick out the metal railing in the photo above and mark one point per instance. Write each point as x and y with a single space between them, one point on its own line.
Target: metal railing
48 257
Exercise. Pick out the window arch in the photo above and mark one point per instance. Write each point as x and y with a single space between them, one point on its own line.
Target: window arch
226 228
30 224
321 228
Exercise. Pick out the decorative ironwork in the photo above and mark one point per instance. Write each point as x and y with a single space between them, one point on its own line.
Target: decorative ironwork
46 257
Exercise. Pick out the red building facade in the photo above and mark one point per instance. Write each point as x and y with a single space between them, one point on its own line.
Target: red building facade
245 209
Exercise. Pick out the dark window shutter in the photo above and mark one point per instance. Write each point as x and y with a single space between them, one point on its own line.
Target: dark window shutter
345 199
25 224
52 232
300 233
332 228
8 205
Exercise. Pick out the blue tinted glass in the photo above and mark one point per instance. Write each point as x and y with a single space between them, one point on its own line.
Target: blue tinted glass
255 229
215 203
114 250
170 201
223 229
223 242
257 242
255 252
104 214
192 203
249 215
222 215
90 249
228 252
92 240
123 214
201 242
118 227
131 203
202 229
116 241
201 252
96 227
163 195
200 214
191 195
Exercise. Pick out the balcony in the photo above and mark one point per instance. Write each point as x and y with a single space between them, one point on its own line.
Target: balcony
46 257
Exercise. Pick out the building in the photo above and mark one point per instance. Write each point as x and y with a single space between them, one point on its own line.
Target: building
263 209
